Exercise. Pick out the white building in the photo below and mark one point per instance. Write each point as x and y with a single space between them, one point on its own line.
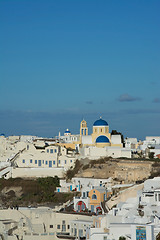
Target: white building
94 152
41 223
137 218
150 142
131 143
35 157
68 137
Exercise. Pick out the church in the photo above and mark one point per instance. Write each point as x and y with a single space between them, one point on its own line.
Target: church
100 143
100 137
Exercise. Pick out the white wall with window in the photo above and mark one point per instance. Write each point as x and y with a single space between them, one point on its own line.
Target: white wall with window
37 158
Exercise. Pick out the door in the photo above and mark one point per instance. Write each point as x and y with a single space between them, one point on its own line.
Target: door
50 163
39 163
92 208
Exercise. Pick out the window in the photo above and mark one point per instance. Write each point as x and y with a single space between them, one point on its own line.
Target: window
63 228
46 162
54 162
30 160
51 151
23 160
75 232
65 161
55 150
83 206
43 161
101 129
59 161
58 226
51 226
63 222
156 197
47 150
35 161
27 147
69 227
71 161
80 232
94 197
87 194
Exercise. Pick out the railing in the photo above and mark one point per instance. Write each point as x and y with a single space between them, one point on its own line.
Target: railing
40 234
81 197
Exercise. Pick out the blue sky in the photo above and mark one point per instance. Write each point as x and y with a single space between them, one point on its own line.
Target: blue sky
61 61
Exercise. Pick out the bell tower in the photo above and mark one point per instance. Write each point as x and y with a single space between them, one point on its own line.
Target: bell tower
83 128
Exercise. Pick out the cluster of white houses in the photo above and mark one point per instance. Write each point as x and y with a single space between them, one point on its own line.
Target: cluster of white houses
133 213
136 218
32 156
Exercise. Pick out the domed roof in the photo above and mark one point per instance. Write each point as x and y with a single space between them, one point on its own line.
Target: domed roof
67 131
100 122
102 139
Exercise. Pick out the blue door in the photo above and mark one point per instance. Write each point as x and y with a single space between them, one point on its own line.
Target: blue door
92 208
50 163
39 163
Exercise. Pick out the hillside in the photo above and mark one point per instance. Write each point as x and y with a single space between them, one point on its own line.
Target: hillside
35 192
25 192
121 170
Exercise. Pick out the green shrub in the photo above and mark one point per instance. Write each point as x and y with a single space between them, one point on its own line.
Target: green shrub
122 238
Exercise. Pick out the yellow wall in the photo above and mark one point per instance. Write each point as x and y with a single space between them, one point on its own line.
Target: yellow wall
83 128
67 145
101 145
117 145
100 197
98 131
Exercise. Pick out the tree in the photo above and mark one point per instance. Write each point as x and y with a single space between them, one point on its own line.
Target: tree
151 155
122 238
158 236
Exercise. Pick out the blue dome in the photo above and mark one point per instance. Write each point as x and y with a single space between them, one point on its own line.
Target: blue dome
67 131
100 122
102 139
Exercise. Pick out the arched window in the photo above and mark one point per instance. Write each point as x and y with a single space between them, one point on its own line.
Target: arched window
94 197
81 206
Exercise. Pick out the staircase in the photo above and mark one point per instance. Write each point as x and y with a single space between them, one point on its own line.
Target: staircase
4 171
104 207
